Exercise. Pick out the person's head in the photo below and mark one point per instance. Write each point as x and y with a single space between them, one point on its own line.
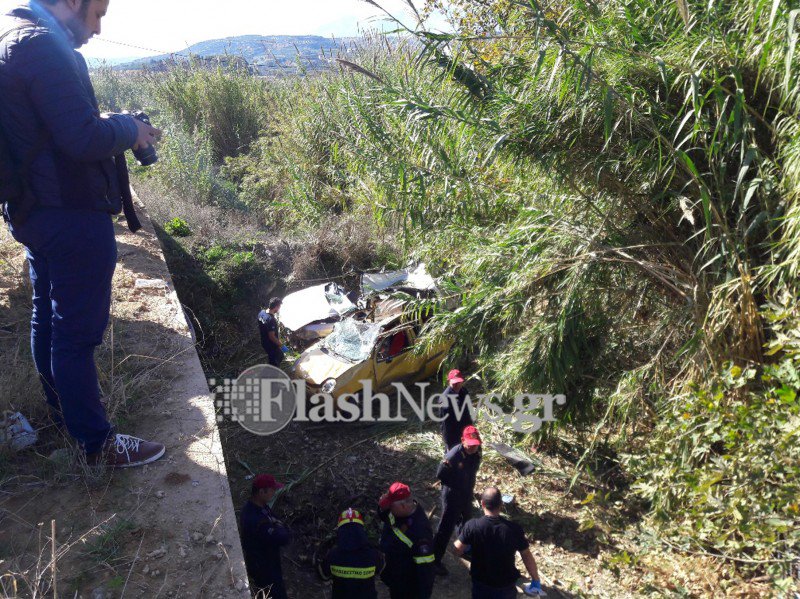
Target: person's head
263 489
350 516
455 379
81 17
471 439
399 500
350 531
491 500
275 304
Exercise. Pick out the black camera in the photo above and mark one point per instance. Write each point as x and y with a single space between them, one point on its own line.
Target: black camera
147 155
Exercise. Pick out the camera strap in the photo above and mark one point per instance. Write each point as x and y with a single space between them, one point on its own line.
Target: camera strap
125 190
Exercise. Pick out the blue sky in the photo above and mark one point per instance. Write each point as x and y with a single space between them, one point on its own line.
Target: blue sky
146 27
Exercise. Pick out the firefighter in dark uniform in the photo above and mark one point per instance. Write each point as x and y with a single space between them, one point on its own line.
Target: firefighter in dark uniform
455 414
352 563
263 535
406 541
457 473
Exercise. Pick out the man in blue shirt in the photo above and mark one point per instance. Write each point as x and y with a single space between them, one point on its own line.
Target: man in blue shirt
263 535
268 329
62 149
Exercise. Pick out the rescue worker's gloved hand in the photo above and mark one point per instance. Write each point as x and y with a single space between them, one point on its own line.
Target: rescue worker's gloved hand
285 348
534 589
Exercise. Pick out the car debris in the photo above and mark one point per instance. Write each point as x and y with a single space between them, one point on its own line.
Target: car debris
410 280
309 314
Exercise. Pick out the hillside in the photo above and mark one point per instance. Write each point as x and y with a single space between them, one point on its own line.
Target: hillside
265 53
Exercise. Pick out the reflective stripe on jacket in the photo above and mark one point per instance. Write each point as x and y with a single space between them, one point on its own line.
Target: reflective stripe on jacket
408 546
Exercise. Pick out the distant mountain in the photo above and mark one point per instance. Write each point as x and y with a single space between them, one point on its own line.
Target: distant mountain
96 63
265 54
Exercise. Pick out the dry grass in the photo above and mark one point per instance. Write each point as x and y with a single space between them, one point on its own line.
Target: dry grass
340 247
43 483
208 222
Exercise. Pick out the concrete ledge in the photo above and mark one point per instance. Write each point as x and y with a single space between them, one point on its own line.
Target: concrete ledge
164 530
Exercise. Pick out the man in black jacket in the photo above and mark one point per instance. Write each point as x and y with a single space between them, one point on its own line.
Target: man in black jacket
457 473
63 148
263 535
352 563
455 415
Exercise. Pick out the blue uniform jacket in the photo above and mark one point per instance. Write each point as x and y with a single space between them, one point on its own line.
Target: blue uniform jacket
353 564
263 535
407 544
459 470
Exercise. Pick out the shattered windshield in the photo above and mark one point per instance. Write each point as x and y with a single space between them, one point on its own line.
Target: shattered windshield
352 340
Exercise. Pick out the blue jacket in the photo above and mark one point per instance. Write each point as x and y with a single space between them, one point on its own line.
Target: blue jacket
48 102
459 470
452 426
263 535
408 546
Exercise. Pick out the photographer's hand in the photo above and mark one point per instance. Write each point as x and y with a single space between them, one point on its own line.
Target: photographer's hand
146 135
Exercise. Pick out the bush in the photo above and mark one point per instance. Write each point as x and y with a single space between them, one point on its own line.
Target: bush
177 227
227 104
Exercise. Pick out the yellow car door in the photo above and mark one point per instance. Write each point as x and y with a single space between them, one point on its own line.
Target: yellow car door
395 361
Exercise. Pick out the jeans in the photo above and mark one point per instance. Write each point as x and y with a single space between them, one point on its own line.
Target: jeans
483 591
456 510
72 255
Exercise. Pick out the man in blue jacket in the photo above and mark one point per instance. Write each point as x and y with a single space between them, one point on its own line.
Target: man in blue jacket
406 543
263 535
455 415
457 472
62 147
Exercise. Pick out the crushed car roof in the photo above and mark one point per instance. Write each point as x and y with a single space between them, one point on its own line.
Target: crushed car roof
407 278
312 304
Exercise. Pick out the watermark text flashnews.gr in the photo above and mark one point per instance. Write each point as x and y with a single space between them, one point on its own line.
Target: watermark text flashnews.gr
263 399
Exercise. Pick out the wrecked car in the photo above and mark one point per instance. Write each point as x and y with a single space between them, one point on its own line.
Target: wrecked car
379 350
309 314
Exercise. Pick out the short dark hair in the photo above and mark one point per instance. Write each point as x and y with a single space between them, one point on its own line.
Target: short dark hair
275 302
491 499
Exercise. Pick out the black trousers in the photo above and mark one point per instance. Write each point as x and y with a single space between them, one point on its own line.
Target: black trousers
456 511
274 356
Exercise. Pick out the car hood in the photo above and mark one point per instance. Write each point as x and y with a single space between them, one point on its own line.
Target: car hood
317 366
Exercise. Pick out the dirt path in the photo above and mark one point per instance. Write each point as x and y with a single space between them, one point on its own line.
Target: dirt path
353 464
164 530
